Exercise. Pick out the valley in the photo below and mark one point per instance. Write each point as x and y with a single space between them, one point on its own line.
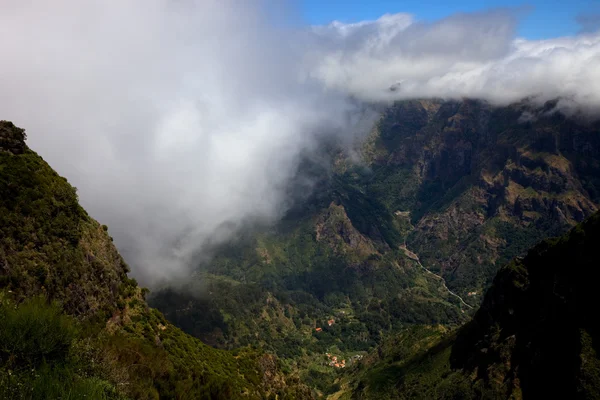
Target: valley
401 274
299 200
415 258
533 337
476 187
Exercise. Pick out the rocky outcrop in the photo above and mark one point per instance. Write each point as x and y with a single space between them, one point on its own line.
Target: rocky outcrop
335 228
12 138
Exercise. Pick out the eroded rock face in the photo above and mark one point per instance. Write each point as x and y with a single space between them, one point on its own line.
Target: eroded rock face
335 228
482 183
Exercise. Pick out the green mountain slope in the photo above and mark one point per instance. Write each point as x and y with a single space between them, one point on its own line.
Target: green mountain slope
73 325
535 335
279 289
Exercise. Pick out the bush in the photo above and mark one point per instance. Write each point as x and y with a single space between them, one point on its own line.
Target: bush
35 330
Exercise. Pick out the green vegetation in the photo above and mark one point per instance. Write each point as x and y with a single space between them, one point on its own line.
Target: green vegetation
277 288
48 243
465 186
534 336
73 325
36 355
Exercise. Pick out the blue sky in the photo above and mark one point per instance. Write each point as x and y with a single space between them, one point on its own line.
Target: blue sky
541 19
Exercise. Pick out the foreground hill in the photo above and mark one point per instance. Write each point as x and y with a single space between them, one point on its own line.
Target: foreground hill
73 325
535 335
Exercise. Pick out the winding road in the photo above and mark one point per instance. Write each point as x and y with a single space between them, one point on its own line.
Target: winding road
415 257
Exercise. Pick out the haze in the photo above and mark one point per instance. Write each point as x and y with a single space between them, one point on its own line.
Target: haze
181 121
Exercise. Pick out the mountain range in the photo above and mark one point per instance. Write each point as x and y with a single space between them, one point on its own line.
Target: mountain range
419 266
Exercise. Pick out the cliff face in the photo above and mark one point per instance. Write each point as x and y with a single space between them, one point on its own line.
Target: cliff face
482 183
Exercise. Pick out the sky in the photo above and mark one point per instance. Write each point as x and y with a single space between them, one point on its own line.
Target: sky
183 121
540 19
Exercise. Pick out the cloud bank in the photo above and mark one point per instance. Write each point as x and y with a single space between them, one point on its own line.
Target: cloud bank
180 121
466 55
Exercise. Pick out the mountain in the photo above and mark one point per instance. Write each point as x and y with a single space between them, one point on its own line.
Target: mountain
74 325
534 336
300 292
409 232
374 272
482 184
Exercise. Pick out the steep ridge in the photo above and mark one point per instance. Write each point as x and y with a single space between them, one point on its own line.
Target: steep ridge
535 335
74 325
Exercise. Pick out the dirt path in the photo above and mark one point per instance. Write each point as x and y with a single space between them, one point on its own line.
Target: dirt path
415 257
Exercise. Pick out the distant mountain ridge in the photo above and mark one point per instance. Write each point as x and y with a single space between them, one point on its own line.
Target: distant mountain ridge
482 183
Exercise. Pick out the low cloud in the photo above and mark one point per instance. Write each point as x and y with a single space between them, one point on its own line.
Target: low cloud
180 121
467 55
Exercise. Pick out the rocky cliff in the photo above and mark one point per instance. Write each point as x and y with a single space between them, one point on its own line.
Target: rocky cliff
482 183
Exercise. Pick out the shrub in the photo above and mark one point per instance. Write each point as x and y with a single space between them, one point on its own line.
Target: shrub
35 330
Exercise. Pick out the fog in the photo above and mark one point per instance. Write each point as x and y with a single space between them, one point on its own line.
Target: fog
181 121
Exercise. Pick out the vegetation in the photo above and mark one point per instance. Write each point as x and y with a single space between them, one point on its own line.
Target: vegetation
535 336
48 243
276 289
73 325
36 355
480 185
462 186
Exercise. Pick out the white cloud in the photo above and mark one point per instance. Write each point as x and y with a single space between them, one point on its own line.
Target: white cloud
179 121
467 55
